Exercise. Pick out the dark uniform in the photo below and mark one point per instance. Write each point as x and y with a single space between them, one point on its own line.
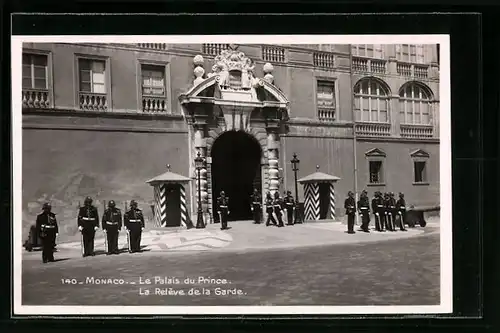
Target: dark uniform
378 211
350 211
364 210
401 211
46 227
278 207
389 225
256 206
270 210
88 223
223 209
393 211
289 206
134 223
112 224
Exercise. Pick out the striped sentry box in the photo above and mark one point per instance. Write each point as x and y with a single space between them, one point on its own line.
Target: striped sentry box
160 208
332 201
183 206
311 193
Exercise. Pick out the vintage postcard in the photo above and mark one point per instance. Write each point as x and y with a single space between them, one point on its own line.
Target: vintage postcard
258 174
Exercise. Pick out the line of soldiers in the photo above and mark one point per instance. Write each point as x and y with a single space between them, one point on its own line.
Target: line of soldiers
88 224
274 208
388 212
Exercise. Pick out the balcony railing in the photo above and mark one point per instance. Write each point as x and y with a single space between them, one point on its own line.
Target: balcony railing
154 104
378 66
373 129
326 60
214 49
153 46
35 99
93 101
273 54
415 131
412 70
326 114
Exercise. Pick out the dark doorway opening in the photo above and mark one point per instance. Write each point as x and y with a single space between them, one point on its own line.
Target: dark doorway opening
173 206
324 200
236 171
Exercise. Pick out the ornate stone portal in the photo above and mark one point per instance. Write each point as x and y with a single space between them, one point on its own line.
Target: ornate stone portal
232 98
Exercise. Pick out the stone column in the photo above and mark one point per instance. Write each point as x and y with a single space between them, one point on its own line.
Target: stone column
201 147
273 159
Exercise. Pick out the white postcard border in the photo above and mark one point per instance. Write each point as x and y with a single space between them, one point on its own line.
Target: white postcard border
446 268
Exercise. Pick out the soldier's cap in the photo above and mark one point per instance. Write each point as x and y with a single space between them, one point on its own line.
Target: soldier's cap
111 203
364 192
276 194
401 194
46 206
222 192
288 192
133 203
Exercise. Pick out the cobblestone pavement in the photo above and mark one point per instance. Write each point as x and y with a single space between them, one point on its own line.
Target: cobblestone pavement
402 271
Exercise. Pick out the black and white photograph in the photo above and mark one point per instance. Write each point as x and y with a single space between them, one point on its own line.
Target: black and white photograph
231 174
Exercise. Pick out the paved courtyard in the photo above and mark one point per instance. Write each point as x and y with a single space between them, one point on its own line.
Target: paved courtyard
314 264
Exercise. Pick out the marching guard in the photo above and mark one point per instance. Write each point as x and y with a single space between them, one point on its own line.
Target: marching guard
88 223
270 210
289 206
376 208
256 206
401 211
389 225
111 225
350 210
223 209
46 226
134 224
278 208
364 210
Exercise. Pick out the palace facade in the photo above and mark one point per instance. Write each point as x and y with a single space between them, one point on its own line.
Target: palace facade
102 119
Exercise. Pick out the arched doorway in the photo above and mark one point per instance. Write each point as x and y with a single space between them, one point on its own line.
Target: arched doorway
236 157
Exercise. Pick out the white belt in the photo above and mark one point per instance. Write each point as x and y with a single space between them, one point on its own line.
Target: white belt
48 226
134 220
402 207
290 204
88 218
111 223
364 208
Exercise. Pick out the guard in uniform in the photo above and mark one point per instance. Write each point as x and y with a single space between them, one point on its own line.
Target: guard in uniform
111 225
46 227
350 211
223 209
364 211
401 211
134 223
393 211
256 206
278 207
388 212
270 210
376 211
289 206
88 223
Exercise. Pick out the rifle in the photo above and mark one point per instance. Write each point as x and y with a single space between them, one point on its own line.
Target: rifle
81 232
128 232
104 229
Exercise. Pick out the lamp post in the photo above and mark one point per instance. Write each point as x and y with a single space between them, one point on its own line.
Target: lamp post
198 162
295 167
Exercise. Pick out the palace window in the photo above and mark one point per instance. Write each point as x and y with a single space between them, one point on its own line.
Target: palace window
154 87
325 100
410 53
368 50
35 73
371 101
415 104
420 159
153 80
376 158
92 76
